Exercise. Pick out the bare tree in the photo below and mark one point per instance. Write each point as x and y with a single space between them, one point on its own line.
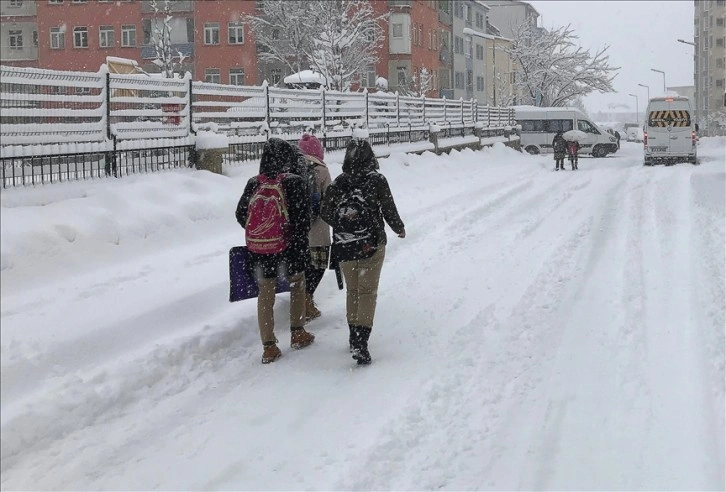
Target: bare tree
418 85
346 40
553 70
161 38
284 30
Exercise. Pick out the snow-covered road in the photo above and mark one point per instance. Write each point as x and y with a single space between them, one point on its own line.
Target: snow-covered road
535 330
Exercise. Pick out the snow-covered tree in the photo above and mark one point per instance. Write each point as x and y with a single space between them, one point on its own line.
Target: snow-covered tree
553 70
418 85
167 61
346 38
284 30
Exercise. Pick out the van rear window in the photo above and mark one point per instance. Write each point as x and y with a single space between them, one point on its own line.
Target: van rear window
669 117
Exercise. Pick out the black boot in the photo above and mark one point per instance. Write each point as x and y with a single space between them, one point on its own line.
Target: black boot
360 345
351 338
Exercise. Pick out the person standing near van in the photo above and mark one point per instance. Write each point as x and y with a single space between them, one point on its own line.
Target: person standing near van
573 147
319 237
356 204
559 146
274 210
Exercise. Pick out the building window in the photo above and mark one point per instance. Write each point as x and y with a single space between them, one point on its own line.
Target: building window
467 47
35 38
719 42
212 75
16 40
397 30
479 20
106 37
275 34
79 1
80 37
237 76
401 76
368 77
719 82
479 52
55 2
16 3
459 80
57 38
128 36
236 32
719 21
276 76
211 33
458 45
480 84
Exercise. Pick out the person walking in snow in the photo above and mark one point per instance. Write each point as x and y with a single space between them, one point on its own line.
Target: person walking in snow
274 211
319 237
573 147
356 204
559 146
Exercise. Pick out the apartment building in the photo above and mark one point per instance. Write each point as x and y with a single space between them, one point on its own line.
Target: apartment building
507 15
225 50
19 33
709 61
470 66
413 42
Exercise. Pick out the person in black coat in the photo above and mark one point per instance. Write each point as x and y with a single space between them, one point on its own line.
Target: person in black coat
360 172
278 157
559 146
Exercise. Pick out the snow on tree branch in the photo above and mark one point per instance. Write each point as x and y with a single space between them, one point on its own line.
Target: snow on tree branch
161 40
284 30
553 70
418 85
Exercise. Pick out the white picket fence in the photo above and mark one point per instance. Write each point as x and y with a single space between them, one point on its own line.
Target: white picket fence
50 112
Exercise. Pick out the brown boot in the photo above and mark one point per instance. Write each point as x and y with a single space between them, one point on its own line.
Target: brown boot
270 353
311 310
299 338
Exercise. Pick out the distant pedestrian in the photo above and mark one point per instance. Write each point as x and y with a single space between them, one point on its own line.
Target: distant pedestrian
319 237
559 146
356 204
274 211
573 147
617 138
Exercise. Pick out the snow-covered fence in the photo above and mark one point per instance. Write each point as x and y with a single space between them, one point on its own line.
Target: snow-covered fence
50 119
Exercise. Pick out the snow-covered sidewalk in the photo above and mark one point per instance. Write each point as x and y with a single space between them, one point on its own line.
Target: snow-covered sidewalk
535 330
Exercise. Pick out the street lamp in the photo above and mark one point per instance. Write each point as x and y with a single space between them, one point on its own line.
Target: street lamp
637 112
696 92
662 73
643 85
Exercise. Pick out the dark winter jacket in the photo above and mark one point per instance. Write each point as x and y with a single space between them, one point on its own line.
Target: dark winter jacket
360 168
559 144
277 157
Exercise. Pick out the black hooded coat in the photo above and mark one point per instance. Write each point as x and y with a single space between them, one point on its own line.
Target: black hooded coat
279 156
360 170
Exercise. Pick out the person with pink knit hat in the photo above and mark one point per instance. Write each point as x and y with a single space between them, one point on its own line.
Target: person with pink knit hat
319 237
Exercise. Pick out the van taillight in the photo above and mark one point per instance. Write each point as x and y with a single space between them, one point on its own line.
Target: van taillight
645 139
693 137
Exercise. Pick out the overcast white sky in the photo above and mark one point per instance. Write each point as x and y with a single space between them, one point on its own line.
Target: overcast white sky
641 35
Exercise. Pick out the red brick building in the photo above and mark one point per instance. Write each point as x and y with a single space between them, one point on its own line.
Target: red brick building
78 35
224 47
415 37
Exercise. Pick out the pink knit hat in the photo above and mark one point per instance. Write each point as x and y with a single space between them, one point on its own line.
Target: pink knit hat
310 145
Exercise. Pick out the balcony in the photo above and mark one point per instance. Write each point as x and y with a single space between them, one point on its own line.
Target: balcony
148 51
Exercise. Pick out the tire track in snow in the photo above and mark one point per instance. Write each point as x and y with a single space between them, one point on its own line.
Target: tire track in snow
476 345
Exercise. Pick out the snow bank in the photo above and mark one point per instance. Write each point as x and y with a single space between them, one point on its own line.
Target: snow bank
211 140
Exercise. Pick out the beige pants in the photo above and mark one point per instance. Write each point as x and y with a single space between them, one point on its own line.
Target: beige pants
361 278
266 305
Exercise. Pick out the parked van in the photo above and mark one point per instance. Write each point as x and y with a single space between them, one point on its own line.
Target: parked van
670 132
539 126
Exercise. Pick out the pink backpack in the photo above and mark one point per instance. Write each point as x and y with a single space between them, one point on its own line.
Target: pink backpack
268 224
572 148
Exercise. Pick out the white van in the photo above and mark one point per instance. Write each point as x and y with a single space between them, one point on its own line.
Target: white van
670 132
539 126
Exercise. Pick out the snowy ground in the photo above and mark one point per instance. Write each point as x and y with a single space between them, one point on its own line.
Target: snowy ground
535 330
